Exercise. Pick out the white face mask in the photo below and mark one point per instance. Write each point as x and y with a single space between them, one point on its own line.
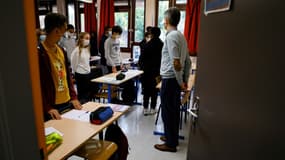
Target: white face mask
42 37
86 42
147 39
110 33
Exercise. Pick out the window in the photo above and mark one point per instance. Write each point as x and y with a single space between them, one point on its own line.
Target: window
71 14
54 9
139 20
181 24
122 19
163 5
42 21
82 22
181 1
129 14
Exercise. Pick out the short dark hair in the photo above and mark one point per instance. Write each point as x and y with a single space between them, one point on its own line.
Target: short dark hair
173 16
54 20
148 28
155 31
106 28
70 26
117 29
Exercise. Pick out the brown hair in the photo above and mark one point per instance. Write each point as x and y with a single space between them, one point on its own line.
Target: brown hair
80 41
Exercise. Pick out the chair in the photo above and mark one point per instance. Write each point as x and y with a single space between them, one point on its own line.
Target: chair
184 106
103 93
95 149
185 100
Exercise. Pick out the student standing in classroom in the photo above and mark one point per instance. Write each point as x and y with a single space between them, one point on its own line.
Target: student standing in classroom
174 71
80 63
57 88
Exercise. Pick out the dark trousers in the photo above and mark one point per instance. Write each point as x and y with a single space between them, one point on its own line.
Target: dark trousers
149 90
83 86
170 107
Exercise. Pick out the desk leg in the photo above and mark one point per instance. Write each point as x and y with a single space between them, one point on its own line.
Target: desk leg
137 89
101 135
109 93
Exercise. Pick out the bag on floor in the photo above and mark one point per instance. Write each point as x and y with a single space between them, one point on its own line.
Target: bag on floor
115 134
129 92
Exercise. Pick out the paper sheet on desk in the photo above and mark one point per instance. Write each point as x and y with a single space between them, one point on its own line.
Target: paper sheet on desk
108 79
49 130
119 108
77 115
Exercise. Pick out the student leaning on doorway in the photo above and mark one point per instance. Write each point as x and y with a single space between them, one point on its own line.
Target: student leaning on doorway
57 88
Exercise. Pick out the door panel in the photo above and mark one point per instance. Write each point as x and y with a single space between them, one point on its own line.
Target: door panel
240 83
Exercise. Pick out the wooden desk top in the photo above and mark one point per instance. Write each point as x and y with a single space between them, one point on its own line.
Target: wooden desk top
111 78
76 133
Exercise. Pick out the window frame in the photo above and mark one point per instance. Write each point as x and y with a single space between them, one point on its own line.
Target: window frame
125 9
172 3
131 9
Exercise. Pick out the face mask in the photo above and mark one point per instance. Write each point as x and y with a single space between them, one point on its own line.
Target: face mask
69 35
85 42
110 33
42 37
147 39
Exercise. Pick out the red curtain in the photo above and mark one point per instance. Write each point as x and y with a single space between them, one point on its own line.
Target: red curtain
192 23
106 15
90 17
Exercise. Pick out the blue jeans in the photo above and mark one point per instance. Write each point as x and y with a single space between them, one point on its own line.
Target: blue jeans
170 107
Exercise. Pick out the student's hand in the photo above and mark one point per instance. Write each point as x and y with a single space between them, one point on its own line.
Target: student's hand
76 104
54 114
183 86
114 69
177 65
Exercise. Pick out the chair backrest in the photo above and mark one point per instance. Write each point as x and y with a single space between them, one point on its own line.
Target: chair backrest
115 134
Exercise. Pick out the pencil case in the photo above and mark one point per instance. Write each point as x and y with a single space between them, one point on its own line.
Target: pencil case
101 115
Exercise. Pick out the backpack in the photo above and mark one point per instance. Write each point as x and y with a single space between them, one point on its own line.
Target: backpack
128 92
115 134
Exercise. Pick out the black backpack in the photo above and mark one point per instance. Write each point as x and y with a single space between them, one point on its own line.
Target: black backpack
128 92
115 134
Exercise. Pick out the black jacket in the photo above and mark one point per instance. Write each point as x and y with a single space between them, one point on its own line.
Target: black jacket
151 57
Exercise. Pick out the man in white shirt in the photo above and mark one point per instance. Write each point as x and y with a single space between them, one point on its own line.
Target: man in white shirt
112 50
174 71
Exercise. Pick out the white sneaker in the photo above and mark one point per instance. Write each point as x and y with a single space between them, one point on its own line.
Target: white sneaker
152 111
145 112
